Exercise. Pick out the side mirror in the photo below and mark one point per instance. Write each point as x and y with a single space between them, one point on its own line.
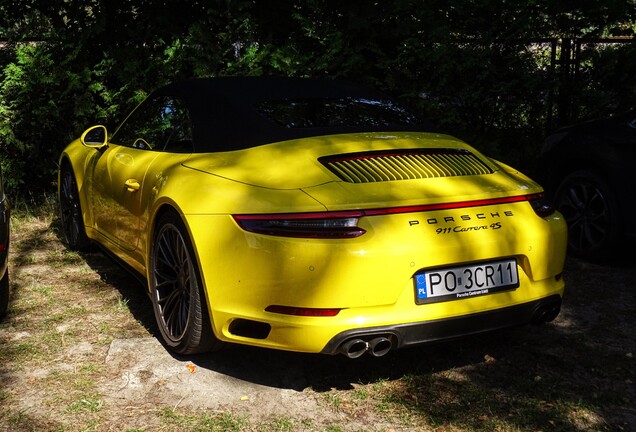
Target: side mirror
95 137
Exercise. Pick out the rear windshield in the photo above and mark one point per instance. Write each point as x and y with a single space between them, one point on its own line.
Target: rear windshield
336 112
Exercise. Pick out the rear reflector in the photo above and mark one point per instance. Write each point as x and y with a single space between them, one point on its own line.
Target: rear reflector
541 206
308 312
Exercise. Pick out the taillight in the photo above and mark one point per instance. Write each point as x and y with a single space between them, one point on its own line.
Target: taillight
297 311
541 205
304 225
344 224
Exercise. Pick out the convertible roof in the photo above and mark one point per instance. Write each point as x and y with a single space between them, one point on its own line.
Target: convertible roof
227 113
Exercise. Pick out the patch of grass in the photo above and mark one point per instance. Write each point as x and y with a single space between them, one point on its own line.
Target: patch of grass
91 369
22 352
104 328
43 290
122 304
83 383
28 259
23 420
68 313
196 422
59 259
91 403
279 424
4 395
77 383
360 393
334 400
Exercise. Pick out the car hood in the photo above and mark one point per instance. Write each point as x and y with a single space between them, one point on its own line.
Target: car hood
318 167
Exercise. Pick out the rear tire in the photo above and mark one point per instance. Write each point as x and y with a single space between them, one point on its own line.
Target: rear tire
176 290
71 212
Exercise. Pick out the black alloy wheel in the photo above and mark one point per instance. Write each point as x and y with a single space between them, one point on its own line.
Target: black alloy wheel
177 297
71 212
587 204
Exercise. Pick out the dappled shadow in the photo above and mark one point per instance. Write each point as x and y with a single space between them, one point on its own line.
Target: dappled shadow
22 254
298 371
534 377
114 273
528 378
132 290
27 422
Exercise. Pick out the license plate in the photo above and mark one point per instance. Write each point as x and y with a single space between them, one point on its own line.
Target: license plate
453 283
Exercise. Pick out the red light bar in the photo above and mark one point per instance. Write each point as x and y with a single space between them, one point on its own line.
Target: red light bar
308 312
344 224
452 205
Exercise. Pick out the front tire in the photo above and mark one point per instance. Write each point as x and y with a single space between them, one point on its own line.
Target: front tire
176 290
589 207
71 212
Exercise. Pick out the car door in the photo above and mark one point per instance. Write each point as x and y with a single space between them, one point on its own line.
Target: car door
120 173
118 178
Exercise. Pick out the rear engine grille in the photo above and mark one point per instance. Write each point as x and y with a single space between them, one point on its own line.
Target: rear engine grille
404 165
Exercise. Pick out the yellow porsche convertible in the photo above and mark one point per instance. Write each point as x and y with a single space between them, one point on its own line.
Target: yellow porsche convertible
310 215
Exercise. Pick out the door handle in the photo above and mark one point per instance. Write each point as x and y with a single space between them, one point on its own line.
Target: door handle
132 185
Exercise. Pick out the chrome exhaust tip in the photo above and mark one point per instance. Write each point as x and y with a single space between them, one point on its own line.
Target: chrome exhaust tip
354 348
380 346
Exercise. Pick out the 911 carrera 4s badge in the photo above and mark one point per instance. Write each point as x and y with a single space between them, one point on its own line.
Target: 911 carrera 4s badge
463 229
453 283
466 223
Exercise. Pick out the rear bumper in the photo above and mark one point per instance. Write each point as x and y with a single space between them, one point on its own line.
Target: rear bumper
370 279
404 335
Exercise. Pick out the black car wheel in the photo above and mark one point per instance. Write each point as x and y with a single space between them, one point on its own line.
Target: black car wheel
4 294
71 212
175 285
586 201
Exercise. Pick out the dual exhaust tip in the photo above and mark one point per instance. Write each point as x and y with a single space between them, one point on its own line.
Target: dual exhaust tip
377 347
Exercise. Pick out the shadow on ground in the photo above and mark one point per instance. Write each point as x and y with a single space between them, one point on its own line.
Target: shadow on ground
531 377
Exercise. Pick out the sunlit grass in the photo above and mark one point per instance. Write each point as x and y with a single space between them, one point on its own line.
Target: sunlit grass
122 303
60 259
20 353
279 424
203 421
43 290
68 312
91 402
361 393
334 400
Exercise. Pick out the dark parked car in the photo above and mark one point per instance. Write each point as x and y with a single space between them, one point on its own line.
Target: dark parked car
589 170
5 213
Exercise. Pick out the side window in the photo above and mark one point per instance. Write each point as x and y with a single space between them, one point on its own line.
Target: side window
160 124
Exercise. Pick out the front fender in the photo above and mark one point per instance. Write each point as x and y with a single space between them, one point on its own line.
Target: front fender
81 160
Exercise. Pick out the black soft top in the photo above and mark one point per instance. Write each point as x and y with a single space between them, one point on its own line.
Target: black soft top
234 113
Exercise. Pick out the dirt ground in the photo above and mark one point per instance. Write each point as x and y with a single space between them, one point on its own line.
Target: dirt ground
79 351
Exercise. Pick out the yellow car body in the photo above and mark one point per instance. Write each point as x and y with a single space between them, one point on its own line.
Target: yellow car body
411 208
